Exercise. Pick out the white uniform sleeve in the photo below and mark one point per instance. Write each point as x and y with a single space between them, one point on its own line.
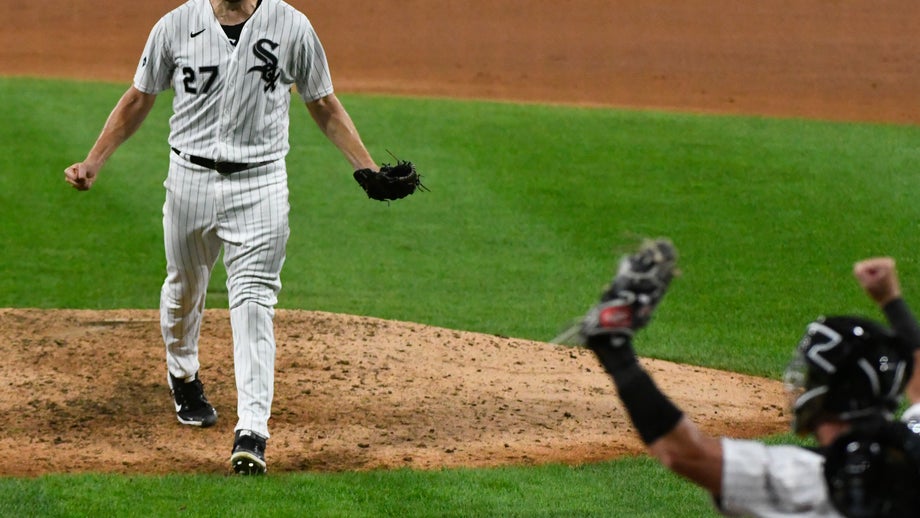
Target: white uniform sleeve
311 70
155 70
761 480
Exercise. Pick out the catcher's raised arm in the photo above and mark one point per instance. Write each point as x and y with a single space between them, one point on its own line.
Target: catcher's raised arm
845 382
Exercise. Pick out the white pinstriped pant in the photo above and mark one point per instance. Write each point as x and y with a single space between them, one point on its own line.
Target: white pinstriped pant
246 213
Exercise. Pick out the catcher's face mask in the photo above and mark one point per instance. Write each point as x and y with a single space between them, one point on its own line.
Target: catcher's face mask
847 368
806 394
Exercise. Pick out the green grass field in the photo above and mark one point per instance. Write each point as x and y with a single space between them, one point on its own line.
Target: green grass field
529 207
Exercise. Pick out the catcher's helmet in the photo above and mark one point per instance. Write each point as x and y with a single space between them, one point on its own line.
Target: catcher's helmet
873 471
846 368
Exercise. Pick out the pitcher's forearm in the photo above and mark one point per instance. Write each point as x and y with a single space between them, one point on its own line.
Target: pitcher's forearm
335 123
124 121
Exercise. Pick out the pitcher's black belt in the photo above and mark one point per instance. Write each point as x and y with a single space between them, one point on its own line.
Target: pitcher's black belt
220 167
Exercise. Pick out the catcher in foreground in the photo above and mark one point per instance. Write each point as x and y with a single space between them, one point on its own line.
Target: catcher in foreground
393 182
847 379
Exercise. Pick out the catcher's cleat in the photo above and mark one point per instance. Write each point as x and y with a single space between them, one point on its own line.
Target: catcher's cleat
627 304
248 455
192 407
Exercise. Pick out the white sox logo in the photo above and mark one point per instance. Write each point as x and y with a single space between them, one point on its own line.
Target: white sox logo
269 69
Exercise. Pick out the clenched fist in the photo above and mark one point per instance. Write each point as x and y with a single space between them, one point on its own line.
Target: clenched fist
879 277
81 175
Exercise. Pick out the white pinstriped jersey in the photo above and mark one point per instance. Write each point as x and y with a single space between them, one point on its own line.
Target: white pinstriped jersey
779 481
232 102
773 481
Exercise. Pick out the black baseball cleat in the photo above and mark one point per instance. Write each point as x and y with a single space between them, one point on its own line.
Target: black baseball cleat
192 407
248 456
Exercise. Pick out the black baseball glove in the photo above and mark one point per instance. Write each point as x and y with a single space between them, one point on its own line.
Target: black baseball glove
393 182
640 283
627 303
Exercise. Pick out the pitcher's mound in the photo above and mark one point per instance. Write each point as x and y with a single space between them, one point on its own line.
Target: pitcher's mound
85 391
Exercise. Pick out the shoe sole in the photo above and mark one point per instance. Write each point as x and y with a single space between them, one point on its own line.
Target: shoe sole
211 421
245 463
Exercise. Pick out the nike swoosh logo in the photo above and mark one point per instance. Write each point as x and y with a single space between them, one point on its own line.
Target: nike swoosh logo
197 33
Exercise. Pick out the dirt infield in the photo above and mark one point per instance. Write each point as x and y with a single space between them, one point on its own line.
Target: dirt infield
830 59
351 393
360 393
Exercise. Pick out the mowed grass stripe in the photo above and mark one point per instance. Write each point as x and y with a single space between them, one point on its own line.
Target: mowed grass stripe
528 209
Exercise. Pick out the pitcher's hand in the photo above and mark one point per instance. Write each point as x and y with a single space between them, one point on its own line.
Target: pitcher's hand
81 175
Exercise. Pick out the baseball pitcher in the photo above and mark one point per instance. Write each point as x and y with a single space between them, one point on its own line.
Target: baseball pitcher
232 65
